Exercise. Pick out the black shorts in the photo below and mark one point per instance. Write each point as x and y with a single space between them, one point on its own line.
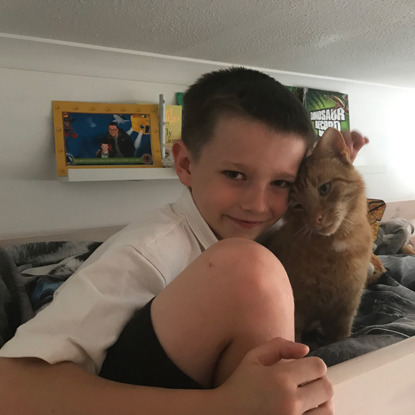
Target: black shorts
137 357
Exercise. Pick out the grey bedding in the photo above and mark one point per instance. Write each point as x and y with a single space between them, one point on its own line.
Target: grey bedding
30 274
386 314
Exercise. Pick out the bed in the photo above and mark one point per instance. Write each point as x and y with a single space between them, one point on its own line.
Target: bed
372 371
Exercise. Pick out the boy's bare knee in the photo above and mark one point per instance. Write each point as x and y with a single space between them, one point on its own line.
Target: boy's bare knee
235 280
248 270
242 252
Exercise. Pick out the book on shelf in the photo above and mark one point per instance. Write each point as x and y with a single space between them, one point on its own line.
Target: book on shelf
172 131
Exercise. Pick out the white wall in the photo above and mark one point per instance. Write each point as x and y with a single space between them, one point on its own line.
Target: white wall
35 72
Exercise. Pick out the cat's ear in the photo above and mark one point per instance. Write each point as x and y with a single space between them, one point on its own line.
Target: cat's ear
333 142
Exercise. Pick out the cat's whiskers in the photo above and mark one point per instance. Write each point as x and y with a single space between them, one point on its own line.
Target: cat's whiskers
309 234
349 221
302 232
305 232
299 232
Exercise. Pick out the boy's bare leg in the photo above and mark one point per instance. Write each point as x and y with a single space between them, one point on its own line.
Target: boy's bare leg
236 310
233 297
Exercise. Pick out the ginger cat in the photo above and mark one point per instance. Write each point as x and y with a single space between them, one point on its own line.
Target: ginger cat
325 242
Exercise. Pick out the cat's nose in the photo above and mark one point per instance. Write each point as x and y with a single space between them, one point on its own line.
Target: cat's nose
318 219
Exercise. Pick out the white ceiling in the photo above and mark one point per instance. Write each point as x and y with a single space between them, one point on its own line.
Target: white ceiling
366 40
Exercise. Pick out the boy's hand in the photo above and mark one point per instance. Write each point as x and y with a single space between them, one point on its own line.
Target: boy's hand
355 141
275 378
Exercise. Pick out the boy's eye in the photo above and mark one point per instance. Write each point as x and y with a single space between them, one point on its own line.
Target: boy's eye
235 175
281 183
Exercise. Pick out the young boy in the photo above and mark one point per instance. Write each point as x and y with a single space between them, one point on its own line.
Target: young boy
105 150
185 298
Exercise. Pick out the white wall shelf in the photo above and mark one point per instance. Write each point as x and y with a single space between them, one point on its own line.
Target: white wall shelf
111 174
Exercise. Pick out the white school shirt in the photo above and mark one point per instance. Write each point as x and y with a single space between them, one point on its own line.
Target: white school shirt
91 308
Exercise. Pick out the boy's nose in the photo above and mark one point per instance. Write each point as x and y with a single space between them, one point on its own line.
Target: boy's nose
254 200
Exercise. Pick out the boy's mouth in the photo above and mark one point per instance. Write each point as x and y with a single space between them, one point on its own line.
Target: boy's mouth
247 224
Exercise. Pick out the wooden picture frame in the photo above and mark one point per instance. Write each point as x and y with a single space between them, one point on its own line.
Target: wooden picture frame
91 135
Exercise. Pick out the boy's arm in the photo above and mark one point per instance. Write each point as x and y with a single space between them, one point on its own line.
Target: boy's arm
31 386
265 382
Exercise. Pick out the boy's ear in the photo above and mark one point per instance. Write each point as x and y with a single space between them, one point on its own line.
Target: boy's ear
182 160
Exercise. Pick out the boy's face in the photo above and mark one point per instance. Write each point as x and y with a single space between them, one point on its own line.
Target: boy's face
240 182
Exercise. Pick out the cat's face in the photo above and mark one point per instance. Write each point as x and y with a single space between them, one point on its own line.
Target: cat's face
325 191
322 195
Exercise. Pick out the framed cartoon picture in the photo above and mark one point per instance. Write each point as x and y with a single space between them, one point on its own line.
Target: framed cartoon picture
103 135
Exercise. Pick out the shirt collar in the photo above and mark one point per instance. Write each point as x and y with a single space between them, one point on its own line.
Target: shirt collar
196 222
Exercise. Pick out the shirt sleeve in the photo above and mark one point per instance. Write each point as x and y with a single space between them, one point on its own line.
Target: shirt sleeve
89 311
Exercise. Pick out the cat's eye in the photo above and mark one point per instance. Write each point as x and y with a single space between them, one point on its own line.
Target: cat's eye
324 189
297 207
